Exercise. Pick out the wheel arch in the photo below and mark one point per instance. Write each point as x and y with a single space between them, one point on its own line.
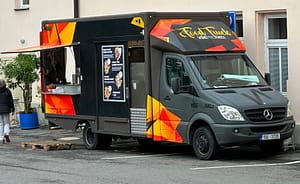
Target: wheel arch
197 121
83 123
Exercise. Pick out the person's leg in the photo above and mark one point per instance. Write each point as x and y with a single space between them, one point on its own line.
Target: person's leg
6 128
1 128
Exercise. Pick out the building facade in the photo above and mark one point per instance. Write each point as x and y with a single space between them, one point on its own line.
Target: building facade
268 28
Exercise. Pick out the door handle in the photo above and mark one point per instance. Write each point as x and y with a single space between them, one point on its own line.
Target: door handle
167 98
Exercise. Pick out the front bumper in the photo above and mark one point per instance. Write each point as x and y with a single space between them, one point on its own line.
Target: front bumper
238 134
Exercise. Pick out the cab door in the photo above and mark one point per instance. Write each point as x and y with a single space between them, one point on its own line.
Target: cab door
176 109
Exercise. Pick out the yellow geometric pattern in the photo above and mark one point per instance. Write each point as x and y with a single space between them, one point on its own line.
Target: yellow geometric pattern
162 123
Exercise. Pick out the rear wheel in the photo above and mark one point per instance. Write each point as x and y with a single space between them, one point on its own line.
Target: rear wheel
204 143
94 140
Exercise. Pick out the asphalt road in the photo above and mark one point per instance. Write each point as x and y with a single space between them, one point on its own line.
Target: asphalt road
128 163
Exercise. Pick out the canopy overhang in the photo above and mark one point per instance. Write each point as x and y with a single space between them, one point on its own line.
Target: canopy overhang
38 48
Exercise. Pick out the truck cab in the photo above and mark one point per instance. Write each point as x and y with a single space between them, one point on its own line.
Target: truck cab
223 100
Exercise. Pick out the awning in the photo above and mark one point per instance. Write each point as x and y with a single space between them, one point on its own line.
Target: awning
39 48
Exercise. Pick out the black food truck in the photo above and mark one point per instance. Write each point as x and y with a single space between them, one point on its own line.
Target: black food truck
177 77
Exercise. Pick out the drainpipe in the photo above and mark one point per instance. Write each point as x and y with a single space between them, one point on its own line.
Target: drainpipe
76 8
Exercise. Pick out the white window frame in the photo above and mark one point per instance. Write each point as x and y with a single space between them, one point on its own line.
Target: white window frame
273 43
20 5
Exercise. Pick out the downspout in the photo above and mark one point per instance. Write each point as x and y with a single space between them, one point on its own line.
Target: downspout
76 8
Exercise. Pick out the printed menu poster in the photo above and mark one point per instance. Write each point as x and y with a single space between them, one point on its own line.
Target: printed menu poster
113 73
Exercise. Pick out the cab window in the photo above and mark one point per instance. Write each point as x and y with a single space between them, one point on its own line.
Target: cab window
175 69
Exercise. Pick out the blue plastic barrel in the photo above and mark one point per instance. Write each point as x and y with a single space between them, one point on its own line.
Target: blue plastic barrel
29 121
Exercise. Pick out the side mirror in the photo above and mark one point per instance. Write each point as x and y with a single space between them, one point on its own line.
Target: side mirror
268 78
175 85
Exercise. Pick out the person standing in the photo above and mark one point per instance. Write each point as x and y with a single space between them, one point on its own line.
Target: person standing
6 107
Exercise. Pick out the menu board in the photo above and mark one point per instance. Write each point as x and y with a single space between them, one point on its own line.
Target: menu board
113 73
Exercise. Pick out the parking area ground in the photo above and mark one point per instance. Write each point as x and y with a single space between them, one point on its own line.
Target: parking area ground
127 162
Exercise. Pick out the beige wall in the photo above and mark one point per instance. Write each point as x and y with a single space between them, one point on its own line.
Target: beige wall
248 8
26 25
293 15
17 25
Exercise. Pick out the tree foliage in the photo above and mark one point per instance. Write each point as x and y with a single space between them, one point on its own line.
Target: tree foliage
22 72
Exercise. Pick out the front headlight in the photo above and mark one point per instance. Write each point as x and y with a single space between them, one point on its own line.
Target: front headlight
230 113
289 110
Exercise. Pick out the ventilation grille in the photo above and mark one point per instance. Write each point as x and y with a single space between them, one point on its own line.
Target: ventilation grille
138 121
257 115
265 89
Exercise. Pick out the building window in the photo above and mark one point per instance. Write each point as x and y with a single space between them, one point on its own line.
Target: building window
21 4
239 25
277 28
277 50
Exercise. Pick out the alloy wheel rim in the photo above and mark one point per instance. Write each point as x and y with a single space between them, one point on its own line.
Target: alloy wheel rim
203 144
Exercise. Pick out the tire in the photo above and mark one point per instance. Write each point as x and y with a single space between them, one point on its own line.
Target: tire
204 143
272 147
94 141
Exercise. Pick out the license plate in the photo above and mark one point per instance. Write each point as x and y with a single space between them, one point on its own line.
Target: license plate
265 137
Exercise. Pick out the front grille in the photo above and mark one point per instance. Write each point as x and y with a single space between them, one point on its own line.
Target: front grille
257 115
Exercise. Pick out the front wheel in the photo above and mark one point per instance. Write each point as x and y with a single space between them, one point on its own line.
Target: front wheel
94 140
204 143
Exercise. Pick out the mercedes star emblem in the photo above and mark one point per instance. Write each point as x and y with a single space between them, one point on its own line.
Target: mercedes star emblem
268 114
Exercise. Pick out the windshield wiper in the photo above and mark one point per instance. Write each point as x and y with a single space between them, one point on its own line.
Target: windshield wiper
255 85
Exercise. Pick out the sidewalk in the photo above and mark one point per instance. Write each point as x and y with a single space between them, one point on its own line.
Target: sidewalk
43 134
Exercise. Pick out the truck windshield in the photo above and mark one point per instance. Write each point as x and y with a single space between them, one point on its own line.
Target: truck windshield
227 71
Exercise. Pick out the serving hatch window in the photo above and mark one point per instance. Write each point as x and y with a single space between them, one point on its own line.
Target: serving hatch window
60 67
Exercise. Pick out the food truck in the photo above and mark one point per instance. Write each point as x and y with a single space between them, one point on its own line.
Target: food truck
158 76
